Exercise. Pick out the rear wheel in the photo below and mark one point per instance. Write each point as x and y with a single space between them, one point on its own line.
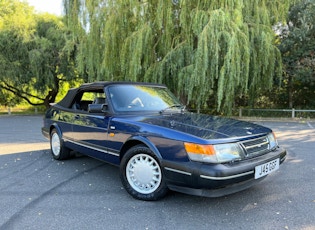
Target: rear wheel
141 174
58 151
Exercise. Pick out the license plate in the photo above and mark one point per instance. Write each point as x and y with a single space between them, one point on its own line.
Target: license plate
265 169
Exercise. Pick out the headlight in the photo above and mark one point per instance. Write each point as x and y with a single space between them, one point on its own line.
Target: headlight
272 141
220 153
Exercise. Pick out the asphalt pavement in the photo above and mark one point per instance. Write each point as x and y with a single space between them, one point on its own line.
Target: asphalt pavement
37 192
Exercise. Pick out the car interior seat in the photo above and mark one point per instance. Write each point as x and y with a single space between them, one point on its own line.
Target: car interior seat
99 100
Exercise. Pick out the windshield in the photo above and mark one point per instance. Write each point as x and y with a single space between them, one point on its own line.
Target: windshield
142 98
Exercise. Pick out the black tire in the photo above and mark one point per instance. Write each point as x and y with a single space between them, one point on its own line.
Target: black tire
58 151
141 174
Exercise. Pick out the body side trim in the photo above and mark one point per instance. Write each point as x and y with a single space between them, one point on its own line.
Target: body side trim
177 171
94 148
227 177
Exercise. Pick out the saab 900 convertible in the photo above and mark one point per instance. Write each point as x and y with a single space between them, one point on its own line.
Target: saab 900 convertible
158 145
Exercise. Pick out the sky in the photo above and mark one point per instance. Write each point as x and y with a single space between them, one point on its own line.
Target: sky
50 6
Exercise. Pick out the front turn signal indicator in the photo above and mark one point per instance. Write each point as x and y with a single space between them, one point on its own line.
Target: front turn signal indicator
199 149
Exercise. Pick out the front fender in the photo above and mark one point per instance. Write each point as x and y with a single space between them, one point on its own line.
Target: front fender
143 140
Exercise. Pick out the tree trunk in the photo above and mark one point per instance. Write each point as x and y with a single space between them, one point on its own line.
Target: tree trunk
52 94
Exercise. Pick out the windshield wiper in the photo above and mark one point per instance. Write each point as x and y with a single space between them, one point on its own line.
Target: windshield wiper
182 108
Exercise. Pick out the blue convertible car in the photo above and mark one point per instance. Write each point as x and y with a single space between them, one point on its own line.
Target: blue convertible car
158 145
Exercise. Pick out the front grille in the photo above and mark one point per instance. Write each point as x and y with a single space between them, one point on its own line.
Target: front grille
256 147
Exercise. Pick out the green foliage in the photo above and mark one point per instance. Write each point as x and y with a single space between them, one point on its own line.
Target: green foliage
34 57
208 52
297 48
17 16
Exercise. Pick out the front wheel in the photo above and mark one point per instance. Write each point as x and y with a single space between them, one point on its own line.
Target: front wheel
58 151
141 174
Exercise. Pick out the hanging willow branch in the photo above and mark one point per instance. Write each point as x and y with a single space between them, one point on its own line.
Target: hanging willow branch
222 58
200 49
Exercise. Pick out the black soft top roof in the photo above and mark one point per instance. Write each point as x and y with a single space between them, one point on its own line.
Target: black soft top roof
67 101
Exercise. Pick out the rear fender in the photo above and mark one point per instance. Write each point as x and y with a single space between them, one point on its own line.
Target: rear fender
55 126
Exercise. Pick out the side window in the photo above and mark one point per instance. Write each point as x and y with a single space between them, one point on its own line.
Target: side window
86 99
99 98
89 98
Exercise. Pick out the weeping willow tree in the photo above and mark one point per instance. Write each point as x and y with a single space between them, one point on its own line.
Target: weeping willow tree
207 52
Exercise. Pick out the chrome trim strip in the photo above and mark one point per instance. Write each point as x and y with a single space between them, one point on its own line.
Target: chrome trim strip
178 171
227 177
90 147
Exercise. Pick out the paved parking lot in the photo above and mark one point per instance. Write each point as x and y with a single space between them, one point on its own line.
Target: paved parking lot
37 192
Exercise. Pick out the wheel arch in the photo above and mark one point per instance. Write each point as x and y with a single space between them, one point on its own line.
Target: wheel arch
138 140
56 127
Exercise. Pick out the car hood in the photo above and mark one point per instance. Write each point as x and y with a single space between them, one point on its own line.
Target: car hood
205 126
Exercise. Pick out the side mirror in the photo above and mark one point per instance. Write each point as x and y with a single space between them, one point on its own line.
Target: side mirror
97 108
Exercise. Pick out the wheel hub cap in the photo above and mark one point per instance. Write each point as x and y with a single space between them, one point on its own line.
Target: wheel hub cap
143 173
55 144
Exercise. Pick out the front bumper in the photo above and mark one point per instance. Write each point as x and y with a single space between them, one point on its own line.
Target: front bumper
215 180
